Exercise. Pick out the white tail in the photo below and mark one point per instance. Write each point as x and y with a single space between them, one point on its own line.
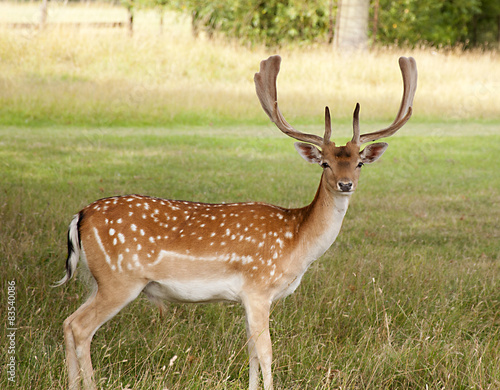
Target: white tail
252 253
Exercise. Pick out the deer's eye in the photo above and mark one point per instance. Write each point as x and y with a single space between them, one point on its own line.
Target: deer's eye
325 165
360 165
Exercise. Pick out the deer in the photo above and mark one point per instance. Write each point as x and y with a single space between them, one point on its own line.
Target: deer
188 252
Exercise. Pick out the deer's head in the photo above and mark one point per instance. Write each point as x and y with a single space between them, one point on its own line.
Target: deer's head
341 164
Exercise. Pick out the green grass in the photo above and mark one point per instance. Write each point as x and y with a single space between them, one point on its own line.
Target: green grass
407 297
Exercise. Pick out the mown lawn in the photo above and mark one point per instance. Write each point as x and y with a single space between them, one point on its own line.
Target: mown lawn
407 298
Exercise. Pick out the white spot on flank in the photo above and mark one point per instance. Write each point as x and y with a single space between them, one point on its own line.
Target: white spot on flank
115 241
119 220
136 261
101 246
111 231
288 235
121 237
151 239
139 247
142 232
120 259
133 227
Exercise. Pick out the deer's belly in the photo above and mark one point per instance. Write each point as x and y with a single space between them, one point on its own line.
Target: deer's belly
196 290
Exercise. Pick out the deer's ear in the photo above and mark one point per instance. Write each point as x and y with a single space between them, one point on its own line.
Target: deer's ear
372 152
309 152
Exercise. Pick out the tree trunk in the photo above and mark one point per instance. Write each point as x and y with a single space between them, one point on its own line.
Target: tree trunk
331 25
498 31
130 20
161 20
352 25
43 14
376 7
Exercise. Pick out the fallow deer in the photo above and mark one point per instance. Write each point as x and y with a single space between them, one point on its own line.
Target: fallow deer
251 253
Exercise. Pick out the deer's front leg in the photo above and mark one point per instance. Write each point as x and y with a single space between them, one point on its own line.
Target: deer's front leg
259 341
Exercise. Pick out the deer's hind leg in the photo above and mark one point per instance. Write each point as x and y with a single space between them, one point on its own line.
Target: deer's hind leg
80 327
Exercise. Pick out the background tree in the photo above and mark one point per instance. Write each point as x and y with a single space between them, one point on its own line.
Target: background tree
130 5
280 22
484 27
411 22
352 24
272 22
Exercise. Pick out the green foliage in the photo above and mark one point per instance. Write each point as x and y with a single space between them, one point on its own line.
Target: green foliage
438 23
485 26
272 22
412 22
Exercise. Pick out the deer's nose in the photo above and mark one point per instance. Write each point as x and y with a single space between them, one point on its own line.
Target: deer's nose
345 186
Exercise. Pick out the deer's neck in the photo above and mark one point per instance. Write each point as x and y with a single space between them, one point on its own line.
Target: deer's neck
322 221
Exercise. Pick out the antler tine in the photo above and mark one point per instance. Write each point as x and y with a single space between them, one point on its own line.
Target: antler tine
409 72
328 126
265 85
355 125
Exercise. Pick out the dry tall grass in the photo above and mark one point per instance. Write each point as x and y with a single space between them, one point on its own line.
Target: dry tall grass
82 71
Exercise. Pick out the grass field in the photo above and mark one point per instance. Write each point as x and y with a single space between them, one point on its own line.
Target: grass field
407 298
